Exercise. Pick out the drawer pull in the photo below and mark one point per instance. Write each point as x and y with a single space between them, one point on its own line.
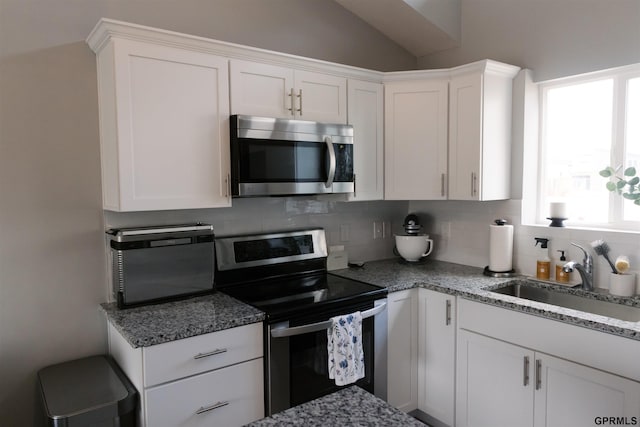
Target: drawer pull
211 353
203 409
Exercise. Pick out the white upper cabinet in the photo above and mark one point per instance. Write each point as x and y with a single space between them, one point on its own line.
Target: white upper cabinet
164 132
480 132
366 115
260 89
416 140
448 133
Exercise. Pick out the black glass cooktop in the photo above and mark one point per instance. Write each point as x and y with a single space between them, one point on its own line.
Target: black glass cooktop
286 297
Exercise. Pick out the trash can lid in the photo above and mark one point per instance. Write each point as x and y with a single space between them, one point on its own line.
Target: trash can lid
81 386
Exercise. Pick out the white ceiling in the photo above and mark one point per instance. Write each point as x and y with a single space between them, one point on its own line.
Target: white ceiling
420 26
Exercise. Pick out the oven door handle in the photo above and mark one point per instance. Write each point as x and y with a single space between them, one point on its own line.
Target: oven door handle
315 327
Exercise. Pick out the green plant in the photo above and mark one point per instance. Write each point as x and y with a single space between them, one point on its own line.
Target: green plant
625 185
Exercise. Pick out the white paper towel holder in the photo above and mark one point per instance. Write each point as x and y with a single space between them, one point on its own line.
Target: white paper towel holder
488 272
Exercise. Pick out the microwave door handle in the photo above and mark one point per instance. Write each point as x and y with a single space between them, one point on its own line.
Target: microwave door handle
319 326
332 162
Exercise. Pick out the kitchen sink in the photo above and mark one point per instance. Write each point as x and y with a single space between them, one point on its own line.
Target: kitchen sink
560 297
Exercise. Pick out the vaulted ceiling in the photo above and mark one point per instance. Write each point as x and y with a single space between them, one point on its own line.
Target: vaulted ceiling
420 26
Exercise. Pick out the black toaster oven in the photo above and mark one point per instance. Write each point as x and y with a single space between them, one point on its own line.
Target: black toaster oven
155 264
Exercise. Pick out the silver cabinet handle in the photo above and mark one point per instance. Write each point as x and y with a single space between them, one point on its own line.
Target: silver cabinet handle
442 185
217 405
525 379
474 184
471 184
300 102
210 353
538 374
291 98
448 311
315 327
228 186
332 162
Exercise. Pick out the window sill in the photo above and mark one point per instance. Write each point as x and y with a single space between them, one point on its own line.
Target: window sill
586 228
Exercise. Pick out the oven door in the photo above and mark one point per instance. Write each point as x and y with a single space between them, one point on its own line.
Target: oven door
297 365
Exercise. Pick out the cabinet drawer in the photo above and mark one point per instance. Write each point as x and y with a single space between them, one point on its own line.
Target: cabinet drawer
190 356
233 395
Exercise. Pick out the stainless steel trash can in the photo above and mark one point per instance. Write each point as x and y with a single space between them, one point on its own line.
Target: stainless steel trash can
92 391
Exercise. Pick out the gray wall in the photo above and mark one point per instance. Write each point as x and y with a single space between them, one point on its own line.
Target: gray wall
554 38
52 260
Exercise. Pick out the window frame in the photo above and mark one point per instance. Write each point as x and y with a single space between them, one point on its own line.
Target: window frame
621 77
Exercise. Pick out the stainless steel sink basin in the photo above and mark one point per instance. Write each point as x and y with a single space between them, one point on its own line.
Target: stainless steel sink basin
561 298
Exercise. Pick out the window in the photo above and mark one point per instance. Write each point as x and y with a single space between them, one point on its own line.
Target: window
589 122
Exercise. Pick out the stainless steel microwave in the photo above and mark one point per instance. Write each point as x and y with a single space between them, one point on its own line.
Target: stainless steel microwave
278 157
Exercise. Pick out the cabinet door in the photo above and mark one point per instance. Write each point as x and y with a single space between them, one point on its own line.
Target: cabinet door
231 396
572 395
261 89
320 97
415 140
402 356
365 107
494 383
465 137
165 128
436 355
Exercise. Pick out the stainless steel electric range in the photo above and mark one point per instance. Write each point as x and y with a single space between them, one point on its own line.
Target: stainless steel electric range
284 274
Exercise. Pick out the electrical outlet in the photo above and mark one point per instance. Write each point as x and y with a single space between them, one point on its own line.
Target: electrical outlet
344 232
377 229
386 229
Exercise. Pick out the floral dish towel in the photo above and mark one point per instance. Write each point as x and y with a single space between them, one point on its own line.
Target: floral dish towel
344 345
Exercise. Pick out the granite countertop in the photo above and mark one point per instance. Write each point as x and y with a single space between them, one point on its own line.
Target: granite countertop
155 324
470 283
350 406
159 323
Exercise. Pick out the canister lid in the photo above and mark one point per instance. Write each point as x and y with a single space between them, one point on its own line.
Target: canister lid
156 232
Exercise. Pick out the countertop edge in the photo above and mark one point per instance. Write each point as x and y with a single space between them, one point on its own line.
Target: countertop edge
469 282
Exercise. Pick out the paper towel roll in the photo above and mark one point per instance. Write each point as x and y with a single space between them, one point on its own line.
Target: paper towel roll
500 248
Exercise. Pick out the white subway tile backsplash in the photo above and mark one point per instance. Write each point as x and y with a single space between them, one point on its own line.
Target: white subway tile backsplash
265 214
467 226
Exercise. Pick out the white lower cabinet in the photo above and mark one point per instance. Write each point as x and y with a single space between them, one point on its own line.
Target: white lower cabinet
568 394
402 356
494 383
225 397
421 354
207 380
436 356
503 384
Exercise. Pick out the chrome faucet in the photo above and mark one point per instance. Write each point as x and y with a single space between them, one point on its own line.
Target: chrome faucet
585 269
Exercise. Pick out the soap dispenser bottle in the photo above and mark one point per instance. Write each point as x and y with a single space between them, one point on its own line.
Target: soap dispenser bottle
561 275
543 263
